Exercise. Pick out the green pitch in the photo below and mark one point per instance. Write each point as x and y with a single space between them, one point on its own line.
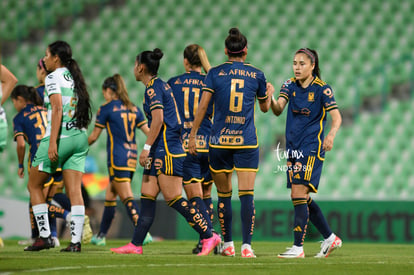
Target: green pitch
174 257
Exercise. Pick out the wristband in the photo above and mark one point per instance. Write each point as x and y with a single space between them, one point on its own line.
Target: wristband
147 147
20 165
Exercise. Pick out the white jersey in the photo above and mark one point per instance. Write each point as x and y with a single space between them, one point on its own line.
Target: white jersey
61 82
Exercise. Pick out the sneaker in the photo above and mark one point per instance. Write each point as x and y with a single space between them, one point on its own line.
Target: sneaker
40 244
292 252
100 241
56 242
247 251
128 249
148 239
209 244
87 231
72 247
328 246
197 249
228 251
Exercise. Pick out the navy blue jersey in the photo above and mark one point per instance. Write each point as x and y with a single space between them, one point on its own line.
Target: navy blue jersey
187 89
30 123
159 95
120 124
306 117
235 87
41 91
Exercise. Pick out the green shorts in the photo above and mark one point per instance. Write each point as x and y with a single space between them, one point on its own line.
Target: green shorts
72 153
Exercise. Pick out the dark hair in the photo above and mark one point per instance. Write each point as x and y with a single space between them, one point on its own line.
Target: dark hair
116 83
313 56
41 65
151 59
83 112
28 93
236 43
191 54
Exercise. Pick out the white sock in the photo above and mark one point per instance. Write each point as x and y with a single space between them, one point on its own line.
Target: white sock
76 222
42 219
227 244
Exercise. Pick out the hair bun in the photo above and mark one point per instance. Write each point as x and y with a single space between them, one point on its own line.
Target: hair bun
157 54
234 32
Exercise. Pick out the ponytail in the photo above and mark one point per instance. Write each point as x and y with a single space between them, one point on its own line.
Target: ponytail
117 84
28 93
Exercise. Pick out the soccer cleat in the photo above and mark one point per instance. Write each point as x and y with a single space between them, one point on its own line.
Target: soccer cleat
197 249
148 239
73 247
128 249
247 251
328 246
292 252
219 248
87 231
99 241
209 244
40 244
56 242
228 251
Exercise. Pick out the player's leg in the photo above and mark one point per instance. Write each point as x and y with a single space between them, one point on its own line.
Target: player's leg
107 216
40 209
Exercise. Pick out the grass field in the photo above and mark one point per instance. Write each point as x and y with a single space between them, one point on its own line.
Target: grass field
174 257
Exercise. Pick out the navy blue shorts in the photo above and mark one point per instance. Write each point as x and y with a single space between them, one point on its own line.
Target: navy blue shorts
226 160
159 162
306 170
119 175
196 169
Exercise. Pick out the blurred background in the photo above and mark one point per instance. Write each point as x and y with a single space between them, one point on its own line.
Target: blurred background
365 51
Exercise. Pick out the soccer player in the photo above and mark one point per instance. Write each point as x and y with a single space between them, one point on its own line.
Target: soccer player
233 87
187 90
120 117
8 81
64 144
162 158
309 99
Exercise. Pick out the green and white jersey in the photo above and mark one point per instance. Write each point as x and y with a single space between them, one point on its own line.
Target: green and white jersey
61 82
2 112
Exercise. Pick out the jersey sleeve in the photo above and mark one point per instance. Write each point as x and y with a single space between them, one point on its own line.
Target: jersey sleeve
208 82
154 98
285 91
261 92
17 128
141 121
52 84
328 99
101 118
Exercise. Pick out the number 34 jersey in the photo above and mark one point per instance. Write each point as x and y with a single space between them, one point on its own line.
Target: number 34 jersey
235 87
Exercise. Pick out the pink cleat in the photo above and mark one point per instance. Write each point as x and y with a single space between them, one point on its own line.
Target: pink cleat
128 249
209 244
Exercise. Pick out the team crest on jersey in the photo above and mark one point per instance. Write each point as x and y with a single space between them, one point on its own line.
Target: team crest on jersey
177 82
221 73
287 82
311 97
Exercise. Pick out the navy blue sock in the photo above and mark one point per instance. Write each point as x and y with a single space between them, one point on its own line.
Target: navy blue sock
318 219
107 217
132 209
63 200
145 220
225 215
209 206
198 203
247 212
193 217
300 223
